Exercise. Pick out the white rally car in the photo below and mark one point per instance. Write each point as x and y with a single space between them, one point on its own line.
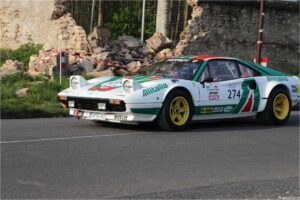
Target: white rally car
179 90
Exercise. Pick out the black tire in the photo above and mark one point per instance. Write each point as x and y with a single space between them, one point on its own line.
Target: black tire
268 116
164 118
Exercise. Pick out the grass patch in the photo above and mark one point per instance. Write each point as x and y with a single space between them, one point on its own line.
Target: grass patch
21 54
40 102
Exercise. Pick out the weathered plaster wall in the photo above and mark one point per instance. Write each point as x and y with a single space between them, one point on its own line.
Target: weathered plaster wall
231 30
30 21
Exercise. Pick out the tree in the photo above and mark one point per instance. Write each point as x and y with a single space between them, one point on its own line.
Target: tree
100 13
162 16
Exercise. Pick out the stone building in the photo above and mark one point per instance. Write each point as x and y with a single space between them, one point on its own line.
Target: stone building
216 27
230 28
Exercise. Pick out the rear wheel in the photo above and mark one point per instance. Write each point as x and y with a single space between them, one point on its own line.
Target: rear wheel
176 112
278 108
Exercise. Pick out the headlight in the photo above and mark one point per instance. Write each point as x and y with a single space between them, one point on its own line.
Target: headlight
77 81
127 86
74 82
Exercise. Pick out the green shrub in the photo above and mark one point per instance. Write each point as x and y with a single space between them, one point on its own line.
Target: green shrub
21 54
41 100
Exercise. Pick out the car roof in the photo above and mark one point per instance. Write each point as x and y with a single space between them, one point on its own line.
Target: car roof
204 57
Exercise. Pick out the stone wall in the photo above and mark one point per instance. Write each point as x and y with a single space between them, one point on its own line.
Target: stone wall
39 21
230 29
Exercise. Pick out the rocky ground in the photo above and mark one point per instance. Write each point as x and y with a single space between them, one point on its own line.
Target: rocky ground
126 54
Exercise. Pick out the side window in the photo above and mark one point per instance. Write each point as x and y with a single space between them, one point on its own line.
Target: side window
205 74
247 72
222 70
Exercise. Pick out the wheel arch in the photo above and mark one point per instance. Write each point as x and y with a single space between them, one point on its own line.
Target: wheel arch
184 89
270 89
280 85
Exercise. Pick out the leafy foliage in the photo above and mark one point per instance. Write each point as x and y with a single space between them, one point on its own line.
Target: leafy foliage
21 54
41 100
123 17
126 19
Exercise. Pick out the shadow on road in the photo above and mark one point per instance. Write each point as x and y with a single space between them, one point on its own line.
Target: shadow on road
225 124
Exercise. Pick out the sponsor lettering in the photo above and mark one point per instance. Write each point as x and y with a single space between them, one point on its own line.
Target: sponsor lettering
218 109
277 78
228 109
207 110
152 90
212 88
179 60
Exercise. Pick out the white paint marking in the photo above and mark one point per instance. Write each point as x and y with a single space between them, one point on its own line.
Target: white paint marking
67 138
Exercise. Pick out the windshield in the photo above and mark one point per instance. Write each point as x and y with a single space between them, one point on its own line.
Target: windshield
172 68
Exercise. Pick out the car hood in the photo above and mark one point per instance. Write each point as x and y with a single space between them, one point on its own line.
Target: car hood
111 87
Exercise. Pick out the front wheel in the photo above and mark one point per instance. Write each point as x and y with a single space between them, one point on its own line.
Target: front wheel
278 108
176 112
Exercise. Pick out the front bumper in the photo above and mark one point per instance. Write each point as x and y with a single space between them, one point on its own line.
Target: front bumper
117 117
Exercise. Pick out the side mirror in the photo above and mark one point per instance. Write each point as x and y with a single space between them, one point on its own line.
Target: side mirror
207 80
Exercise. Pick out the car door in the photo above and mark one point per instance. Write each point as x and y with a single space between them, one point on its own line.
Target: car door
221 88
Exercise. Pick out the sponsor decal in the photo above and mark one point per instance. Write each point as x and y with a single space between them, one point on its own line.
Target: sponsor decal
212 88
110 84
207 110
228 109
214 98
216 109
213 95
155 89
295 88
179 60
277 78
216 87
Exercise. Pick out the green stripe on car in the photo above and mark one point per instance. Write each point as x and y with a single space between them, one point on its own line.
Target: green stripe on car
146 111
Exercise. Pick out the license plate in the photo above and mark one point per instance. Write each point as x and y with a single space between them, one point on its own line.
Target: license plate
96 116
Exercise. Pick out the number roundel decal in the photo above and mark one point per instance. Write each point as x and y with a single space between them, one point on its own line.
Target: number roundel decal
234 94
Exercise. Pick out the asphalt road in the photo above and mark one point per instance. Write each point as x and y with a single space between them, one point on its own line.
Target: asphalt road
67 158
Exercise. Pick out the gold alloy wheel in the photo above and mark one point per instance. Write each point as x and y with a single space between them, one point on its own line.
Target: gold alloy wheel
179 111
281 106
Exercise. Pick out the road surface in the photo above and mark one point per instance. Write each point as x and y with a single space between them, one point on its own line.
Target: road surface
66 158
